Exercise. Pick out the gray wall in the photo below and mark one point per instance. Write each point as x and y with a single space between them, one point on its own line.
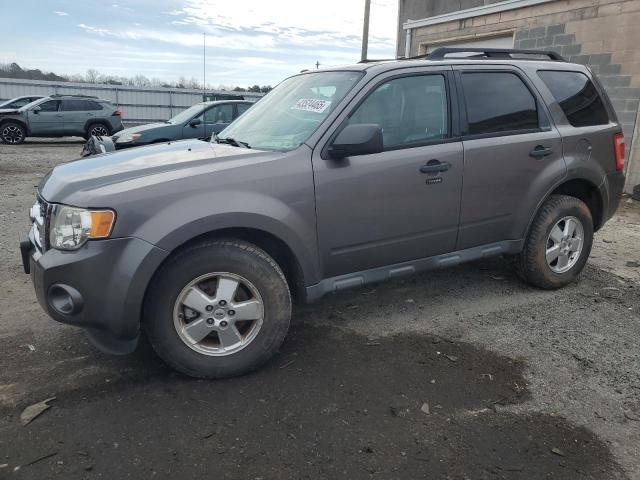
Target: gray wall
138 105
419 9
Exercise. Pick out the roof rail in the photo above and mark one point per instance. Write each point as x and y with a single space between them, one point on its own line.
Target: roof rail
374 60
491 53
58 95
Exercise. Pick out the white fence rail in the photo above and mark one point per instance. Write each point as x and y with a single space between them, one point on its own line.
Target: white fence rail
138 104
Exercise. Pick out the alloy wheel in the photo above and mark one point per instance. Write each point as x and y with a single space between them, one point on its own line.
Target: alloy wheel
564 244
99 131
218 314
12 134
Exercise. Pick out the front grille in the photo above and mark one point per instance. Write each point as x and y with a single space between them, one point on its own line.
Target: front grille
39 215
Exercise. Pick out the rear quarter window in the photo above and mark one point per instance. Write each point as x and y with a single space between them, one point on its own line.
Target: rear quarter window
577 96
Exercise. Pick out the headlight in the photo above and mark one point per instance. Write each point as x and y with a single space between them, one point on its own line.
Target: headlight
128 137
71 227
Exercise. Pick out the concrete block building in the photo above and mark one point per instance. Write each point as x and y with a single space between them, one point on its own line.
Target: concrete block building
603 34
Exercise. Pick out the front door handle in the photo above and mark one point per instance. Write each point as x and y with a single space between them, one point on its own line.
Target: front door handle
435 166
540 151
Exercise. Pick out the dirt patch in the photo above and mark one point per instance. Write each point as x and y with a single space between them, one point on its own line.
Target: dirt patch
332 404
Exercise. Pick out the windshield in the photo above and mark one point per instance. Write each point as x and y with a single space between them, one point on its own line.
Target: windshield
286 117
186 115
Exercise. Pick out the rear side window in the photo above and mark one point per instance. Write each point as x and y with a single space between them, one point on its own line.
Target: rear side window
92 105
577 97
242 107
498 102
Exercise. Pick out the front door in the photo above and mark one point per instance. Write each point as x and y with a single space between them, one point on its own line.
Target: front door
511 154
386 208
46 118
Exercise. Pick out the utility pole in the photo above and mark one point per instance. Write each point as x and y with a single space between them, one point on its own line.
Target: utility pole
365 29
204 66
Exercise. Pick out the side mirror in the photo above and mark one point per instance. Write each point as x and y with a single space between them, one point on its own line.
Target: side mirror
36 109
354 140
195 122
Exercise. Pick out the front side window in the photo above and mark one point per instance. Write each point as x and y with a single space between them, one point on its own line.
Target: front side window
186 115
498 102
410 110
219 114
50 106
287 116
577 97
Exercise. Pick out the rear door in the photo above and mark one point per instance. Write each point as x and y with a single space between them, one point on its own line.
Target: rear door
75 116
47 119
386 208
512 153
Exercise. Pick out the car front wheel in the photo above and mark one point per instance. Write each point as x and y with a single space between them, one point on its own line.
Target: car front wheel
558 244
218 309
12 133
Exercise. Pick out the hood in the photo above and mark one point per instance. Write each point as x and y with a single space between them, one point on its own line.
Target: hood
85 181
8 111
144 128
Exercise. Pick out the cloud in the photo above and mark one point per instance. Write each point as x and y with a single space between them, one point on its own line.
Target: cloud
61 14
99 31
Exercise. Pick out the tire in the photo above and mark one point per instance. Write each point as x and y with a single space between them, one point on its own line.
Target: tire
204 267
546 272
97 129
12 133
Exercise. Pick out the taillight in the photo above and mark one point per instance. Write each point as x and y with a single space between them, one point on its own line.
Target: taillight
618 150
117 113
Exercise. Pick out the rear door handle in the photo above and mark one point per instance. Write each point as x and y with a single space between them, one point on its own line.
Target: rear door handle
540 152
435 166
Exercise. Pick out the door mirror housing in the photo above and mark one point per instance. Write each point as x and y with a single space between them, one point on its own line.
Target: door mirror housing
362 139
195 122
36 109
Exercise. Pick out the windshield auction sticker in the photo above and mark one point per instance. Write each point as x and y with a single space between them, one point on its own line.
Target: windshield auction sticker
311 105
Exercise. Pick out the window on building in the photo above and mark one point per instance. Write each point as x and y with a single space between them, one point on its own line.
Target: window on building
498 102
577 97
410 110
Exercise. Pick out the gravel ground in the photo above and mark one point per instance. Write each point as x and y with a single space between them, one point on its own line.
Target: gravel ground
460 373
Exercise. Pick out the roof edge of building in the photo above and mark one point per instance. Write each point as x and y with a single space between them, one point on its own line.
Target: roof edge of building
472 12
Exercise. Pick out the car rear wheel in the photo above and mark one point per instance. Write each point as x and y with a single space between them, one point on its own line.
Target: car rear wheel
558 245
12 133
218 309
98 130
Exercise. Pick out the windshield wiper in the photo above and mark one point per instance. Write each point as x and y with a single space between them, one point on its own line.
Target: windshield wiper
230 141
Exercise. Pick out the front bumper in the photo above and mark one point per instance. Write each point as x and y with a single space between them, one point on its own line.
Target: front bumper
110 277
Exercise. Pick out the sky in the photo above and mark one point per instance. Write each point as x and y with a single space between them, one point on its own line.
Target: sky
248 41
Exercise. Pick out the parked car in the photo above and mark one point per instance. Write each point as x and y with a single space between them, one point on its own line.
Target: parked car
199 121
19 102
336 179
60 116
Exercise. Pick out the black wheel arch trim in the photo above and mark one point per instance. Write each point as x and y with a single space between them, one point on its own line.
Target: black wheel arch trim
603 200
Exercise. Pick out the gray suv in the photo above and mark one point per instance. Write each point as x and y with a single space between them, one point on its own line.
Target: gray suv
60 116
336 179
